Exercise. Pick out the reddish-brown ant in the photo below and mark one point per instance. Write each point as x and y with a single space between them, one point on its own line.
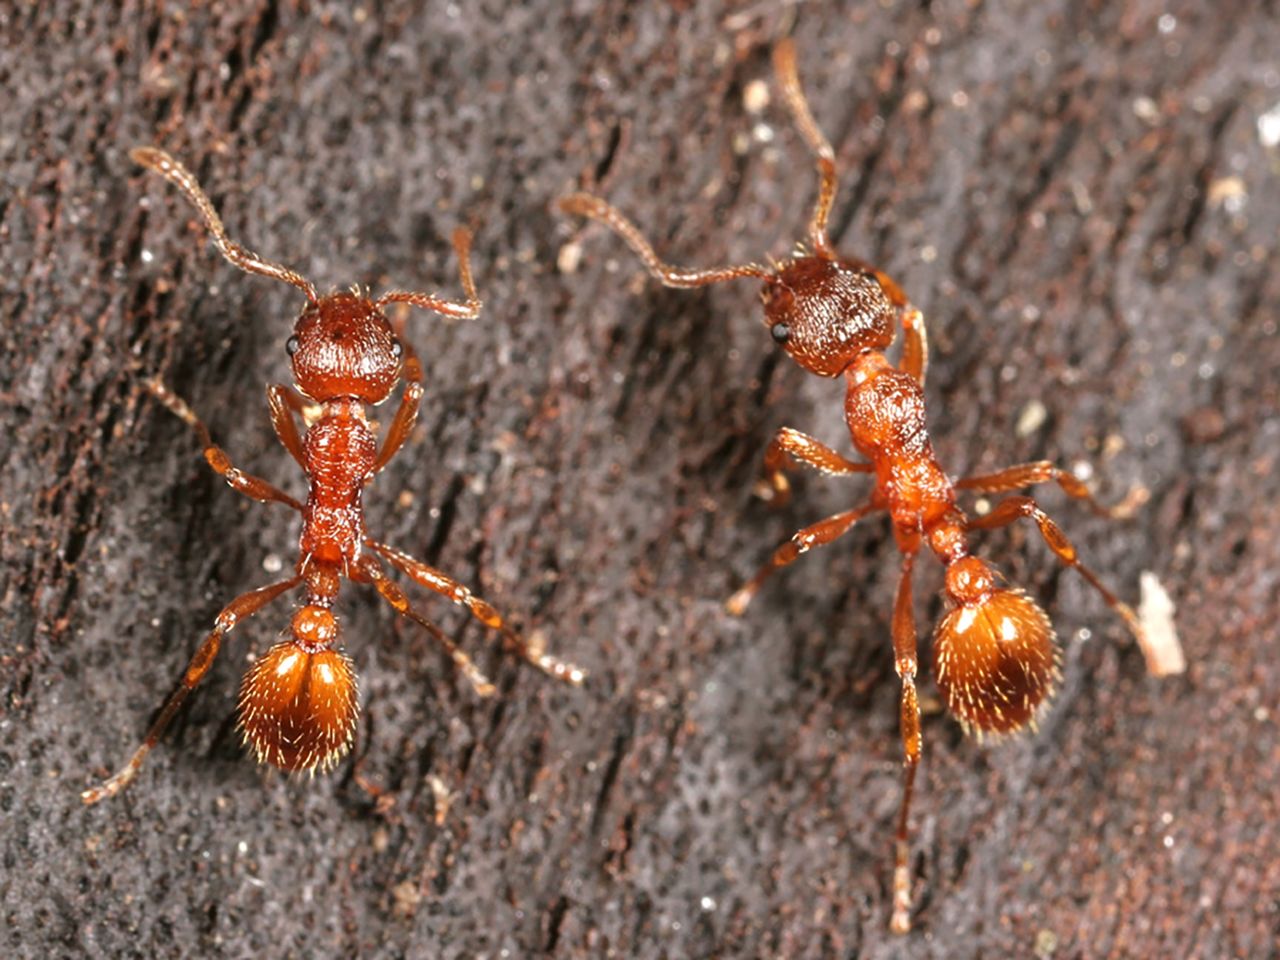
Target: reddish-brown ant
298 701
995 657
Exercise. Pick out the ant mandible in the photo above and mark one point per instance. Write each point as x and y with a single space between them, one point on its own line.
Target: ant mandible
297 702
996 661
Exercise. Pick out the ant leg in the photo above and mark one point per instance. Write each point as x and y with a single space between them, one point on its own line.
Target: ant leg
407 414
906 664
392 593
240 608
1043 471
482 610
184 180
784 66
284 404
1013 508
915 343
802 541
788 443
586 205
469 309
217 458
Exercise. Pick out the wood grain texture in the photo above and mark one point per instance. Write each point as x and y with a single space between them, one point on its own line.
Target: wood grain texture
1081 196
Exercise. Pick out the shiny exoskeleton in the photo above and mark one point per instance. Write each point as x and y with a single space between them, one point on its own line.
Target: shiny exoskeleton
995 657
298 704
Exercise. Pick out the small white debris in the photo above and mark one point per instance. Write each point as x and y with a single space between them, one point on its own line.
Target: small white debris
1162 647
1228 192
1269 128
570 257
1145 109
442 797
1031 418
755 97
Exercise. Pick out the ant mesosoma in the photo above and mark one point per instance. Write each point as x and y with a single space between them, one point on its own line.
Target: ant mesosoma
996 661
297 702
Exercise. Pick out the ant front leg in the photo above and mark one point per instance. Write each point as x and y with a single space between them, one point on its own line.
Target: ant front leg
802 541
1013 508
391 592
217 458
285 404
407 414
1043 471
240 608
482 610
915 337
788 443
915 343
906 663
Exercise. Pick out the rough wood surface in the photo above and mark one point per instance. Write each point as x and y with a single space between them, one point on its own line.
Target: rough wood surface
1083 198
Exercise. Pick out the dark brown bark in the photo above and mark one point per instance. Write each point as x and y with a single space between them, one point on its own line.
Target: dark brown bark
1080 196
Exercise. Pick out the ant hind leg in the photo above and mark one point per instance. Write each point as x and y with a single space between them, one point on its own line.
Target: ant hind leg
482 610
802 541
906 664
1014 508
391 592
240 608
1043 471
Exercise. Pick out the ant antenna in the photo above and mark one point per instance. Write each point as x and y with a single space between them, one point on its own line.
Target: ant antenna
586 205
784 65
467 310
156 159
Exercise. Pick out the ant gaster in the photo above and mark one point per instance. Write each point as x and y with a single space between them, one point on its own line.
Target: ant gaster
996 661
298 702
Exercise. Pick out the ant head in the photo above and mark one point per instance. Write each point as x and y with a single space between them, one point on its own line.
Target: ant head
343 346
825 312
298 703
994 656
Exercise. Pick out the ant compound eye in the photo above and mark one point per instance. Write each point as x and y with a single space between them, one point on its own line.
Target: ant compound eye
397 349
291 346
780 332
